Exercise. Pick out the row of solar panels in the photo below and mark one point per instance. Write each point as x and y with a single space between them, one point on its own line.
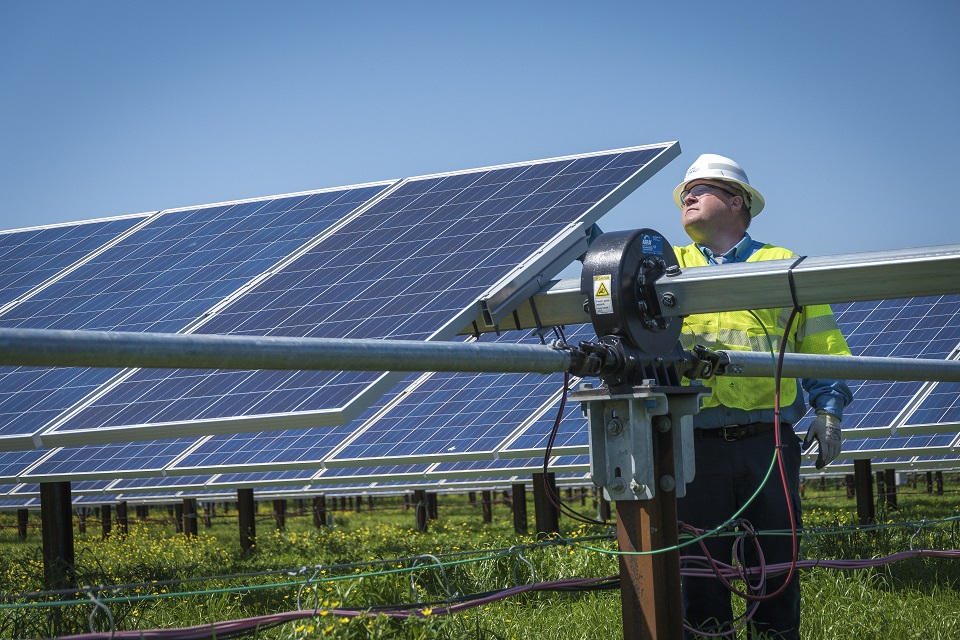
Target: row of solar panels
411 259
270 265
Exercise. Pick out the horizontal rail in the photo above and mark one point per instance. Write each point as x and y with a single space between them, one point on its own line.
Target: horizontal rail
800 365
38 347
853 277
903 273
116 349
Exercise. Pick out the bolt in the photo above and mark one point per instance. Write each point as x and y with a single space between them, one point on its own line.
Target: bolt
615 427
668 299
667 483
616 485
672 270
662 423
637 488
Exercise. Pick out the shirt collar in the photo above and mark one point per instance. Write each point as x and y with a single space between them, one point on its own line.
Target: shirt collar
738 253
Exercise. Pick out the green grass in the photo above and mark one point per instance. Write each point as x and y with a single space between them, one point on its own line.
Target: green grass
919 598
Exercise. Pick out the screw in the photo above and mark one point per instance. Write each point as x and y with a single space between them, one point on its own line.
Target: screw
616 485
668 299
673 270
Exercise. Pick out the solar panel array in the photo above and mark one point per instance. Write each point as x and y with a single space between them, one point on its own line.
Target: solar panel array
408 260
412 264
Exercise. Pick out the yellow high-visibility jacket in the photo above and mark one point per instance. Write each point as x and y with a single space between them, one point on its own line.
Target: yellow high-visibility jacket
814 331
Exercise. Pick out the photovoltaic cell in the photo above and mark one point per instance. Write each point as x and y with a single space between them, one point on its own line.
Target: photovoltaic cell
161 278
412 266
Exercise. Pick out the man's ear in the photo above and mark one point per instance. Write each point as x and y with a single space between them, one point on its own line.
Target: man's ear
735 204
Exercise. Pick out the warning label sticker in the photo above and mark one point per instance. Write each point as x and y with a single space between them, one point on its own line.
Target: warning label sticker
602 301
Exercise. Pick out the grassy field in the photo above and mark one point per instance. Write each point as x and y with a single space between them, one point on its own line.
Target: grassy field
154 577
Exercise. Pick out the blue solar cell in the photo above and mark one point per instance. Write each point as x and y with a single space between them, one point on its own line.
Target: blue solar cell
164 277
31 256
380 275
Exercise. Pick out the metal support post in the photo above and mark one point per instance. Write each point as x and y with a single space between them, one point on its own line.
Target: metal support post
123 523
23 518
518 496
106 520
863 477
320 511
487 505
56 516
280 513
247 514
546 515
421 509
641 454
190 517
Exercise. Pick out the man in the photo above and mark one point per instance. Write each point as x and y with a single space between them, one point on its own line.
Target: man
735 440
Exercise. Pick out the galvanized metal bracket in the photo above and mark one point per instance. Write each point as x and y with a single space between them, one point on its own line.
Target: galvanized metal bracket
621 425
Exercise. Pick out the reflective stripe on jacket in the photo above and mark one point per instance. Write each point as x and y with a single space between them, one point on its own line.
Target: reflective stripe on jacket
814 331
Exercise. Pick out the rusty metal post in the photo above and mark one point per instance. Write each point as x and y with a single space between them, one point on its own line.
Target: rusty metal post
650 584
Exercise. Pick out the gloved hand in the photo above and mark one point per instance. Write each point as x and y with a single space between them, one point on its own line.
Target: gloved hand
826 430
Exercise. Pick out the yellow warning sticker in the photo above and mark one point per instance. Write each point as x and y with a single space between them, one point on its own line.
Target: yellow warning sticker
602 300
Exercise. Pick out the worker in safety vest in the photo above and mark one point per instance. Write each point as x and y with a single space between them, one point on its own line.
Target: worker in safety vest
735 437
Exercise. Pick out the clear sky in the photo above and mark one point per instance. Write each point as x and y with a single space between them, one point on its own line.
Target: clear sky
844 114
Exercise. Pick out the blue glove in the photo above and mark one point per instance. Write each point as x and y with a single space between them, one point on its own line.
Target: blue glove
826 431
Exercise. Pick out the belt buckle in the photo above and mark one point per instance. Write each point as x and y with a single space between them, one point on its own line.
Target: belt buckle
730 433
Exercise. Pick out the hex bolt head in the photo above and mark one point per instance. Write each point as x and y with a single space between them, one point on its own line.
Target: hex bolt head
616 485
636 487
668 300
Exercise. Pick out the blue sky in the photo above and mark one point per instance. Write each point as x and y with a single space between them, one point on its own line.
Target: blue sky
844 114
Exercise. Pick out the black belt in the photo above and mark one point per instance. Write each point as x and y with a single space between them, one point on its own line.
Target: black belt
734 432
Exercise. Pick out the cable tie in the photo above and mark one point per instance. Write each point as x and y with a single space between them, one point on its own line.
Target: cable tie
793 286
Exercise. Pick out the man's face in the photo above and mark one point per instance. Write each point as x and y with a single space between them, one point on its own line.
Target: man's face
707 208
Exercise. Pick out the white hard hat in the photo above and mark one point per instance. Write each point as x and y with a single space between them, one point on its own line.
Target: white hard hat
710 166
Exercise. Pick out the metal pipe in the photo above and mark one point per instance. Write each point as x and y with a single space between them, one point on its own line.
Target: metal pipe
902 273
49 348
798 365
45 348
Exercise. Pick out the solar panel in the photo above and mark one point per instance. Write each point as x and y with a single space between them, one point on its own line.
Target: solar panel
164 277
29 257
13 463
415 265
113 460
914 328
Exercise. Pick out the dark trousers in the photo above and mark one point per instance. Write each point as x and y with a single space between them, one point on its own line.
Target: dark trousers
727 474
